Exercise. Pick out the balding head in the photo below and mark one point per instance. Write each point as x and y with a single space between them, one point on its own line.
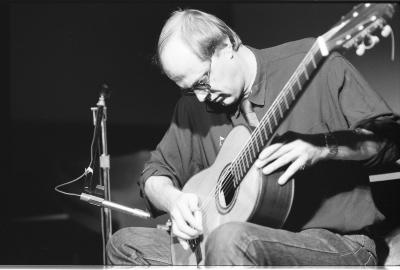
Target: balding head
203 33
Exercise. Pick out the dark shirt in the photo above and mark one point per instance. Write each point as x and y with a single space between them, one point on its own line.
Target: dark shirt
337 98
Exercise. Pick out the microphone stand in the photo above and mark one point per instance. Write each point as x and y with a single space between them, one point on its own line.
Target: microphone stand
100 117
103 188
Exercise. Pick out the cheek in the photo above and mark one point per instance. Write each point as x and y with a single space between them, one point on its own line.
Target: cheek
228 80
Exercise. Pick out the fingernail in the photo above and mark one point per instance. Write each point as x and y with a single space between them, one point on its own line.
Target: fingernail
266 170
185 245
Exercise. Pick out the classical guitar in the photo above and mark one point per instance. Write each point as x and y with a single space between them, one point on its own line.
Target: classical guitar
232 189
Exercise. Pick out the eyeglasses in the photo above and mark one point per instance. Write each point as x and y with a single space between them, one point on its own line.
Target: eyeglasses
202 87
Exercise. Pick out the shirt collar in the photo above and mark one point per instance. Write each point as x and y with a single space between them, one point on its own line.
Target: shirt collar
257 93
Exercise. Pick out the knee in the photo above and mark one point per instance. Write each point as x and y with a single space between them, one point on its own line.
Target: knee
119 251
226 245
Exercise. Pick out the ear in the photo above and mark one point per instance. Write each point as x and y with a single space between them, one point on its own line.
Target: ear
225 49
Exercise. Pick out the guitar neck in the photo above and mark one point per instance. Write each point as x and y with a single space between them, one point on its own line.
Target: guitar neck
276 113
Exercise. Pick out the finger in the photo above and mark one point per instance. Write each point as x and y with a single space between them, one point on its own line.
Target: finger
184 243
280 152
291 170
183 226
196 212
178 233
189 217
199 220
280 162
266 153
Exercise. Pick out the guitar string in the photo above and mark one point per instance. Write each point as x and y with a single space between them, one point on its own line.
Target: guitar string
228 184
281 95
240 157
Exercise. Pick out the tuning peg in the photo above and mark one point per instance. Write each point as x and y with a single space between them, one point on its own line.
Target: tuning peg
371 41
386 30
360 49
374 39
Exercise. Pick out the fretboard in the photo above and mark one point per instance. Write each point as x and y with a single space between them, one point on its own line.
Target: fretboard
276 114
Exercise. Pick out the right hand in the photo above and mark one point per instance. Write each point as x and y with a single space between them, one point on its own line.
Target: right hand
186 218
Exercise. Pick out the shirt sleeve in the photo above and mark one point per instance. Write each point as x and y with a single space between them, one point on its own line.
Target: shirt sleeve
172 157
364 108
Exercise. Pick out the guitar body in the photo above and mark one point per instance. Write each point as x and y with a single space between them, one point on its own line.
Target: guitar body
258 198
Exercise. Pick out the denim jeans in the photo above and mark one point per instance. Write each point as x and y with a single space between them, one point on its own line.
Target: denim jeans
241 243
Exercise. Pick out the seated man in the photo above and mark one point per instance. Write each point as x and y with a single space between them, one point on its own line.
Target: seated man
338 129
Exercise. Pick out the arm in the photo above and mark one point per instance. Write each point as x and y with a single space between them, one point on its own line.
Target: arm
371 136
183 207
169 167
303 150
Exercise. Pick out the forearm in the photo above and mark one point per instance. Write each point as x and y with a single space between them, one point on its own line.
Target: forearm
161 192
359 144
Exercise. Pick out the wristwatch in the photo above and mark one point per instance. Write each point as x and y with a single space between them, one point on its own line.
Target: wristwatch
331 144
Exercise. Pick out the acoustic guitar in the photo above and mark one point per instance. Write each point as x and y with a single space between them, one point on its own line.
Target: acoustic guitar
232 189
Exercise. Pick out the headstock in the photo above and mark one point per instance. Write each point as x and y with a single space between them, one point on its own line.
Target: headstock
356 27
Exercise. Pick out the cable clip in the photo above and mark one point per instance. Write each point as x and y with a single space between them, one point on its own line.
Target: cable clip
88 170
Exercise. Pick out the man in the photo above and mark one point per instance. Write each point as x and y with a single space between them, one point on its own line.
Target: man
338 121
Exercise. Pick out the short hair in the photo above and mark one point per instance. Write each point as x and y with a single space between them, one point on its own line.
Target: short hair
203 32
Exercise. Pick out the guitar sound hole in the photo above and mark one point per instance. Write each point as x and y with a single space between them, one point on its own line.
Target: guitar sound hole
226 191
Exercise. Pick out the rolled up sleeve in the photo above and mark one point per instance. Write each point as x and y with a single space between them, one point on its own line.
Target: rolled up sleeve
364 108
172 156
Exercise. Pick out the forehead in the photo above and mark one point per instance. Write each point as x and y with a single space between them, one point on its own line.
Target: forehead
181 64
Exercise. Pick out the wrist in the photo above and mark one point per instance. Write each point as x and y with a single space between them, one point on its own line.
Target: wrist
331 148
172 195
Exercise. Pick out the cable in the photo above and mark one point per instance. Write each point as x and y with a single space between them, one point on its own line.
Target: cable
87 170
67 183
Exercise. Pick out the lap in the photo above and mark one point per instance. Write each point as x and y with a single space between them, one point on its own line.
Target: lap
249 243
243 243
139 246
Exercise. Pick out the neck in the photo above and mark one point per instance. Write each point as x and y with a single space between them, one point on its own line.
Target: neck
249 68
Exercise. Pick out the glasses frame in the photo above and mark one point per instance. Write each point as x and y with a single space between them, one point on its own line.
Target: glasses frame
203 89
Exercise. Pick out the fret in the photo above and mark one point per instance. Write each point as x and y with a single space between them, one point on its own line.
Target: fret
289 97
282 106
280 109
242 170
235 172
273 114
291 92
252 148
264 131
286 102
259 142
305 72
310 69
270 127
303 79
245 159
298 82
313 61
237 169
256 135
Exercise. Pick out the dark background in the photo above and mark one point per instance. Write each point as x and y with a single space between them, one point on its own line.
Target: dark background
60 53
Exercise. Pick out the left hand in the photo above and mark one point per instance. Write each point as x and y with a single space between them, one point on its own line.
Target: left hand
292 148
